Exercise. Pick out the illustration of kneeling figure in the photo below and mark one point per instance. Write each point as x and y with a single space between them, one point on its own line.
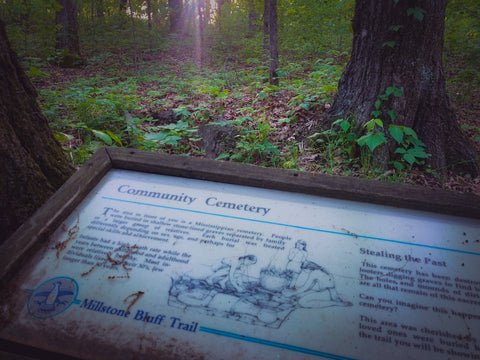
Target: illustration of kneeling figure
230 291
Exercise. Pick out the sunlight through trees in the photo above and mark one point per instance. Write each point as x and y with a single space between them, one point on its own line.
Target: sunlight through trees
166 75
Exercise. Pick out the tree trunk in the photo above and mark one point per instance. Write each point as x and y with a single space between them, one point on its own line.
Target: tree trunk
220 4
201 22
122 6
32 163
270 39
149 15
67 34
273 43
252 18
149 24
176 8
398 43
266 31
100 10
134 37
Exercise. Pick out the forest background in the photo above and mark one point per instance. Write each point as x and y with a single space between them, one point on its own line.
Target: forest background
193 78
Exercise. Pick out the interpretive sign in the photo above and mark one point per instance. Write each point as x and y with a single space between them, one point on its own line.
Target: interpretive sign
164 266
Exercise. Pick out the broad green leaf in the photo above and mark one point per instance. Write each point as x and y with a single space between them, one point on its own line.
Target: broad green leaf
395 27
222 156
398 165
171 140
345 125
156 136
372 140
410 132
398 92
392 114
370 125
418 153
377 104
379 122
102 136
409 158
400 150
416 142
115 138
397 133
394 90
62 137
418 13
390 44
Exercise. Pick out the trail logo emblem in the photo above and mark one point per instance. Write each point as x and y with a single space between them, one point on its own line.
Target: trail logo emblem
52 297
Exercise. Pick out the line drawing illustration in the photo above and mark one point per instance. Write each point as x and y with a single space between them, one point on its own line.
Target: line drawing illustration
229 291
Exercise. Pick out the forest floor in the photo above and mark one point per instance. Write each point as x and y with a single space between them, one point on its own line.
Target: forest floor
277 108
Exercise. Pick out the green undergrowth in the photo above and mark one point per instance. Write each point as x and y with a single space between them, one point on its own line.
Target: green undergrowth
107 103
120 110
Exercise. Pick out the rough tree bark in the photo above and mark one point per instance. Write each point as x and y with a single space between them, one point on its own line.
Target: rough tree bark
67 34
32 163
399 43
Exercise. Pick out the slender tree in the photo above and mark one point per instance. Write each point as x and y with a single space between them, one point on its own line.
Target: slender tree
32 163
67 34
266 30
134 36
396 71
270 39
122 5
252 17
220 4
149 14
203 13
176 9
149 23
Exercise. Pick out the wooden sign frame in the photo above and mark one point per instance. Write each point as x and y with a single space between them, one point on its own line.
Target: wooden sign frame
34 233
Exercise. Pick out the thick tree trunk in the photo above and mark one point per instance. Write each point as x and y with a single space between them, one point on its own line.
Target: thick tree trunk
399 43
32 163
67 34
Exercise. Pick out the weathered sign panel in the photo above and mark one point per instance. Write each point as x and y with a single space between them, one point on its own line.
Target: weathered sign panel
157 266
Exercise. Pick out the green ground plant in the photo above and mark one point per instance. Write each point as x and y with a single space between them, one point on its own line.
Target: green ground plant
338 143
112 98
410 149
252 144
